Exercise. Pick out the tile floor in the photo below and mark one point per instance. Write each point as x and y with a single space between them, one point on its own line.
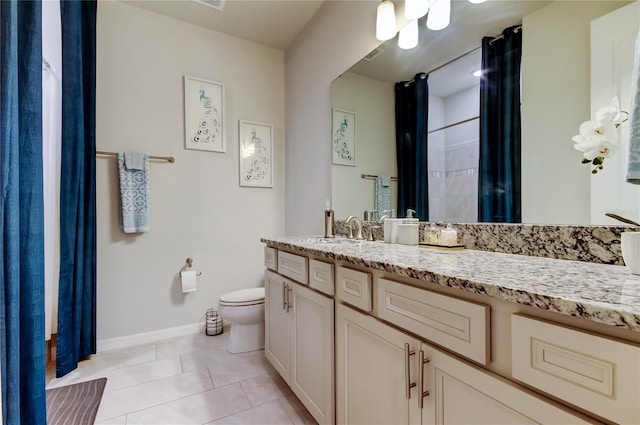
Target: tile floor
188 380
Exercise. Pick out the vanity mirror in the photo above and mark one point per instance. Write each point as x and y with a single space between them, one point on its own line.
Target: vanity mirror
559 91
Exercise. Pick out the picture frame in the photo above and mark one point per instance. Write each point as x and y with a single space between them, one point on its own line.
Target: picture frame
343 137
204 115
255 153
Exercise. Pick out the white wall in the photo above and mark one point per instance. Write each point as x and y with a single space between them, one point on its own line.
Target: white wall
198 209
556 53
373 102
338 36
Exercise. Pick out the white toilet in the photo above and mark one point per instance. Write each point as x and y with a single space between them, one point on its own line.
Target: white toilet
245 310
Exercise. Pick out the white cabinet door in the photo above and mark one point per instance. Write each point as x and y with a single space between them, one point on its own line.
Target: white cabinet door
460 393
371 371
312 369
277 345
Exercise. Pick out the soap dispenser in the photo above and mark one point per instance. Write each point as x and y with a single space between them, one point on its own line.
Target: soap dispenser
329 222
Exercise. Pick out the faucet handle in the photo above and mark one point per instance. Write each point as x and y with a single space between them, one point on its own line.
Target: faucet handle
349 231
371 229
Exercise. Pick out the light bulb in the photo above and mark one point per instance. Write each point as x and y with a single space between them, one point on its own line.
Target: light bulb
439 15
477 1
415 9
386 21
408 38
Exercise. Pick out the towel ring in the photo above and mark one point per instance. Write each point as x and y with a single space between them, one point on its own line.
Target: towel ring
188 266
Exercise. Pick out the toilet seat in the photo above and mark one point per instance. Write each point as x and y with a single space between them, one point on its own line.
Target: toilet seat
243 297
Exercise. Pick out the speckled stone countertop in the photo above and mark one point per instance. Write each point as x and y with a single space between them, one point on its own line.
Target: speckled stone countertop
606 294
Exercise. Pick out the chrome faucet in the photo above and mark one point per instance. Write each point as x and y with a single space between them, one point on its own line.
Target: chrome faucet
358 225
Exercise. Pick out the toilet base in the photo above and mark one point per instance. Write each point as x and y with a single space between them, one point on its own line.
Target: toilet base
246 337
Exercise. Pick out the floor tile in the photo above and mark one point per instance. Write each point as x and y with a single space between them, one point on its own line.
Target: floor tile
120 420
208 357
200 408
267 414
265 388
189 343
229 371
132 399
142 373
296 411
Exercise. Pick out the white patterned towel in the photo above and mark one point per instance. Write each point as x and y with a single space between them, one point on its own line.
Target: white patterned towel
383 194
633 163
134 192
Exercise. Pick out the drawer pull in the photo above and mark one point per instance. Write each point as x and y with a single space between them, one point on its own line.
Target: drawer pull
407 369
284 296
289 291
421 392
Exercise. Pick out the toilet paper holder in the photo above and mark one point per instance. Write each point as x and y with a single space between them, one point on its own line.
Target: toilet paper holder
189 265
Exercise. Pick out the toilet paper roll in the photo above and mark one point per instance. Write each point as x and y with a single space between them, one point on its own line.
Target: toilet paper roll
188 278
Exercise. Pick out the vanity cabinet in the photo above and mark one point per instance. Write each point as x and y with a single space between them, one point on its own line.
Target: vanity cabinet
387 376
299 342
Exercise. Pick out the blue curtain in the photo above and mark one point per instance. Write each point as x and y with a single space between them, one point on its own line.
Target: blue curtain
22 211
499 184
412 110
77 292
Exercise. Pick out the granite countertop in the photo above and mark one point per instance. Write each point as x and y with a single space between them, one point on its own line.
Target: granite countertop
605 294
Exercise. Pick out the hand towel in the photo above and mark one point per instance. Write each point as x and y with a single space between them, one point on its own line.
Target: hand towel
633 161
134 194
383 194
134 160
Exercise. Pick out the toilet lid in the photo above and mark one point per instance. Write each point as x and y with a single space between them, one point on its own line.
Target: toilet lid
243 296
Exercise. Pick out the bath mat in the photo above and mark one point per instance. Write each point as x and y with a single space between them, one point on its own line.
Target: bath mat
75 404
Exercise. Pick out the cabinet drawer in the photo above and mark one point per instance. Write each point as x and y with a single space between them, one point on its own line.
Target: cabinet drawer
270 258
459 325
354 287
293 266
321 276
595 373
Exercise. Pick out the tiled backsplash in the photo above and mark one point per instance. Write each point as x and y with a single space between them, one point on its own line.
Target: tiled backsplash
594 244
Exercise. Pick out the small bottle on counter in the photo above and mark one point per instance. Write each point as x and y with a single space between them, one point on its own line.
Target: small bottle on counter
432 235
449 236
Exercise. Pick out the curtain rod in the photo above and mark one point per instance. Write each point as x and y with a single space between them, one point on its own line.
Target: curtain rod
454 124
169 159
373 176
516 29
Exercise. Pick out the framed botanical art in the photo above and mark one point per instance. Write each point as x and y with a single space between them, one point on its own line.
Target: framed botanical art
256 154
204 115
343 137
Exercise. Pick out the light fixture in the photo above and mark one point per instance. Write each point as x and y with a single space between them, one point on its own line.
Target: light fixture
386 21
477 73
408 38
439 15
477 1
415 9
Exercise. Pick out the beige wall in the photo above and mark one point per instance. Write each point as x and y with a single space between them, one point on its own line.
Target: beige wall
555 100
338 36
373 103
198 209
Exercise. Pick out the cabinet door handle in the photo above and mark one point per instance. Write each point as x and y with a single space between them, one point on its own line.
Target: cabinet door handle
284 296
421 392
407 370
289 290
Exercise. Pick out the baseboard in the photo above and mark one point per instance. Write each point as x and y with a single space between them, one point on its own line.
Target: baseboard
148 337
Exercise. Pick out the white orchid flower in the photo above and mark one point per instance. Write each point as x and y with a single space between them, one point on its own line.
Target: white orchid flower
610 113
596 138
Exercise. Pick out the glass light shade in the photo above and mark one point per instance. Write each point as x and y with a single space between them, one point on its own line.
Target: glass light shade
386 21
439 15
477 1
415 9
408 38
